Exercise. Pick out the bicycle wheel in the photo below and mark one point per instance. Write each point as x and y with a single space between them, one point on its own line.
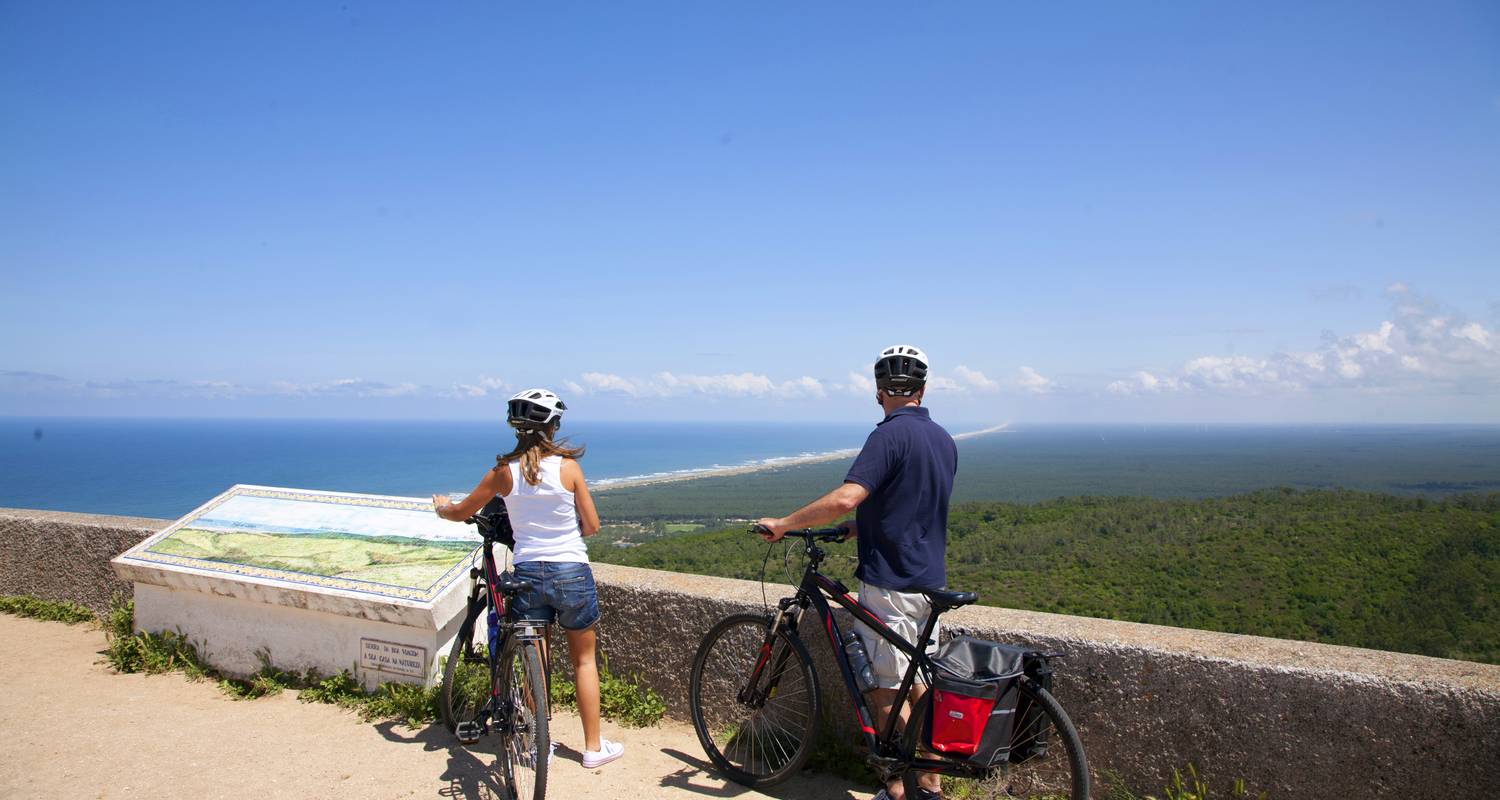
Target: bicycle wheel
1055 771
525 746
466 679
766 738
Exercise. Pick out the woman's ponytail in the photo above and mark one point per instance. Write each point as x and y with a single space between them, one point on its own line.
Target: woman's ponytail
532 445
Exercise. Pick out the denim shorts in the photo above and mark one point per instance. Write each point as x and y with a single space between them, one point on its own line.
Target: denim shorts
561 591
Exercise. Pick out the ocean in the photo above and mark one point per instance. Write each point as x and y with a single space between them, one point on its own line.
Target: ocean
166 468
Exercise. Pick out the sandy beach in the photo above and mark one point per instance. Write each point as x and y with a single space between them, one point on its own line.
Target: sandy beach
762 466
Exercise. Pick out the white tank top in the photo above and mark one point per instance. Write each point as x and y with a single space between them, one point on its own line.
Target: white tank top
543 516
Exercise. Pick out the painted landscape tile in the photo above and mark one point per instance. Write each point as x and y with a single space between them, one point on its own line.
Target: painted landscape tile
377 545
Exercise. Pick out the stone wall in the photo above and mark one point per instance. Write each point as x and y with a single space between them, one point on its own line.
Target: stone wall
1297 720
56 555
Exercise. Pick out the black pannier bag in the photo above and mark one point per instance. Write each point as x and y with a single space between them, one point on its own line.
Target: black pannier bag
1032 726
974 693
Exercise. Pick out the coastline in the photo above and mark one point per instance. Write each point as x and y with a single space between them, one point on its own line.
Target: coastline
764 465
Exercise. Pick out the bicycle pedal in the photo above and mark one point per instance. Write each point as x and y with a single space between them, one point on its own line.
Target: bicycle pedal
467 732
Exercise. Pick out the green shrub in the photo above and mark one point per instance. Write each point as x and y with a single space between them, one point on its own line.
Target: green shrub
471 683
341 690
622 699
627 701
266 681
412 704
50 610
151 653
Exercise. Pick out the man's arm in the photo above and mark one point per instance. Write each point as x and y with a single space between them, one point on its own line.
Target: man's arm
821 511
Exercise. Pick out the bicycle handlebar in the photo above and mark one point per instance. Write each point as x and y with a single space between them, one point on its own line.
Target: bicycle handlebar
811 534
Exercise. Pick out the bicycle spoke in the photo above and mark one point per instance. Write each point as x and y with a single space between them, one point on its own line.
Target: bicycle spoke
770 734
526 742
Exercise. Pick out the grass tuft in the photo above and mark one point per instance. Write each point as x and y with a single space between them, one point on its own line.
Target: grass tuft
1185 785
171 651
49 610
151 653
342 690
266 681
412 704
621 698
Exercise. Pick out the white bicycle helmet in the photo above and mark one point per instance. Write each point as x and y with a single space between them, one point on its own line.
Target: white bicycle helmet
901 370
534 408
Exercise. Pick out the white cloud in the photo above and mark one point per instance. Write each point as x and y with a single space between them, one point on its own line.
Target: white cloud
344 387
1143 382
975 379
729 383
671 384
944 384
860 383
1232 372
1475 333
1421 347
1032 381
483 387
609 383
804 386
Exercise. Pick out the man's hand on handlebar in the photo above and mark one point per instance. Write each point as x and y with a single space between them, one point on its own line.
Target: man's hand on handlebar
849 529
770 528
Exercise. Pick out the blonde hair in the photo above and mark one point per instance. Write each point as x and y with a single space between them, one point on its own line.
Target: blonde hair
532 445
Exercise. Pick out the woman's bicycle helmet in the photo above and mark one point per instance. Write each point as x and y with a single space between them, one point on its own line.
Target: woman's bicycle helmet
534 408
901 370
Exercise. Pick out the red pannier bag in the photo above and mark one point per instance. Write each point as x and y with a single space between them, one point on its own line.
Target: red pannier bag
974 694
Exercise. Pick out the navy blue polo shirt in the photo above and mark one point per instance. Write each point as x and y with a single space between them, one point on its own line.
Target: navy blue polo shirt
907 465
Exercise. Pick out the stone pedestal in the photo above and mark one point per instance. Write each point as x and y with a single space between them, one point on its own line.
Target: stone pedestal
310 580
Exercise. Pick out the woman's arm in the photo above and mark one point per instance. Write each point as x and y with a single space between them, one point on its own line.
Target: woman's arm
496 481
572 480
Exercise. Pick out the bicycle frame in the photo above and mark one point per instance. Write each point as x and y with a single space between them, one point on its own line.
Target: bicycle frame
815 591
486 594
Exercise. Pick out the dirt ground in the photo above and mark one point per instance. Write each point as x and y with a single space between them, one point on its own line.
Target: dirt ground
70 728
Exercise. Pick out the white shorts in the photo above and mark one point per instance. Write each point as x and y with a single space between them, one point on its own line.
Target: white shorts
906 614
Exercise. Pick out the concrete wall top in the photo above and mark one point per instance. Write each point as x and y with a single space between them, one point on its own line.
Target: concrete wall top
145 524
1258 651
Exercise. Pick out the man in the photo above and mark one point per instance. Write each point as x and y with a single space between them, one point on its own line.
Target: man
900 483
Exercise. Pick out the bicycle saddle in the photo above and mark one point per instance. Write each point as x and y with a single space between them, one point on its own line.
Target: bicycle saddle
511 585
942 599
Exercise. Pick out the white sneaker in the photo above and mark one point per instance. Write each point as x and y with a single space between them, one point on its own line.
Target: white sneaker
608 751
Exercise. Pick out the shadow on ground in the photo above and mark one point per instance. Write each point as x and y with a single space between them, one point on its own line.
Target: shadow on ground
699 777
468 773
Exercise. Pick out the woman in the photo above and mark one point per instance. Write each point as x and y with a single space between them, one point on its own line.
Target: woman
551 511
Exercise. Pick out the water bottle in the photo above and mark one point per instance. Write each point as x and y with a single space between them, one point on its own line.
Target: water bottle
859 661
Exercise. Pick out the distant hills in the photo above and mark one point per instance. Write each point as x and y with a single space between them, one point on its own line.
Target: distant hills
1376 570
1039 462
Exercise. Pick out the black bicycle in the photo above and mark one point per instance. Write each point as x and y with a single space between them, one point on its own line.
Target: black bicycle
496 691
756 701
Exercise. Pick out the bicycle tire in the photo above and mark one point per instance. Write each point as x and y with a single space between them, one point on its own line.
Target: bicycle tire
463 658
526 745
726 656
1061 773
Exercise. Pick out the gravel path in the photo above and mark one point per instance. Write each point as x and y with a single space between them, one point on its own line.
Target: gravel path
70 728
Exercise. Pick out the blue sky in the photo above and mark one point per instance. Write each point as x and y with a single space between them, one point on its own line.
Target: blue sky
1195 212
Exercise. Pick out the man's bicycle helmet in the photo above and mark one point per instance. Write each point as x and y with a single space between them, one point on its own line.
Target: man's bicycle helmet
534 408
901 370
